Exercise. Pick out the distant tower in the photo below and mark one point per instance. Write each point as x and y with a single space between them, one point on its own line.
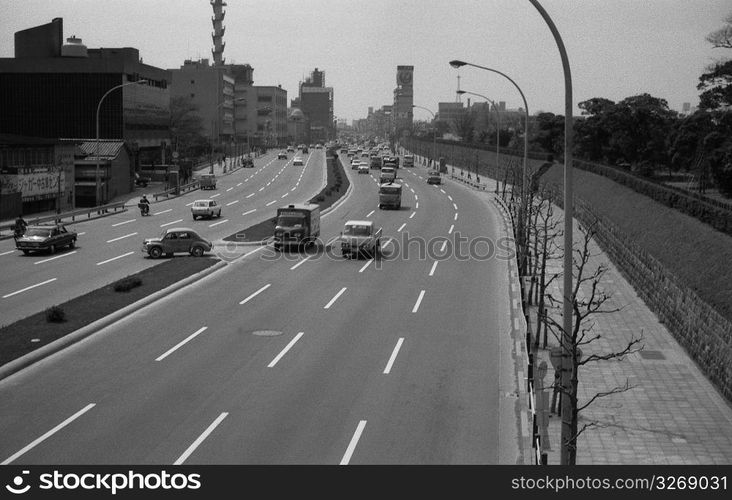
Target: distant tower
457 92
218 33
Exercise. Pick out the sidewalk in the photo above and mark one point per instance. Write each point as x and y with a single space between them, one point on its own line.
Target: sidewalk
673 415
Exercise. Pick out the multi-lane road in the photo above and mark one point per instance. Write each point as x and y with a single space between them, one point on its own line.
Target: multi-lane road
285 358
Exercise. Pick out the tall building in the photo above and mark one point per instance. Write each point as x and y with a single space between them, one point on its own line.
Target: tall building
316 103
402 113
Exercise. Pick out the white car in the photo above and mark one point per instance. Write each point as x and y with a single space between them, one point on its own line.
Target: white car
205 208
297 161
355 164
363 168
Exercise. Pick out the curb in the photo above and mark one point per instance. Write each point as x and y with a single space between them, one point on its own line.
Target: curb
57 345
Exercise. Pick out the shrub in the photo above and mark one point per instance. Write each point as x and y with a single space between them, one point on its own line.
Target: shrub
55 314
127 284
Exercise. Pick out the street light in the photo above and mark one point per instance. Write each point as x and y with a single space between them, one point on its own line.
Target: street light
522 208
498 125
97 183
434 130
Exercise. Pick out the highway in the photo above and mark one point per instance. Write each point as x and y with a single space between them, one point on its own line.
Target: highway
109 248
287 358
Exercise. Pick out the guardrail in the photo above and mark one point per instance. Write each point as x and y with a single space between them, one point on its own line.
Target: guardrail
176 191
67 217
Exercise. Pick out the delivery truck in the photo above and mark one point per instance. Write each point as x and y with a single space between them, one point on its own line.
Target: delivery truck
296 225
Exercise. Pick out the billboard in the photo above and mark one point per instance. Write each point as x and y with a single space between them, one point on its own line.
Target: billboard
404 76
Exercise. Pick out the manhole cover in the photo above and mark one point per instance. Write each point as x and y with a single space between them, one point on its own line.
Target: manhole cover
266 333
652 355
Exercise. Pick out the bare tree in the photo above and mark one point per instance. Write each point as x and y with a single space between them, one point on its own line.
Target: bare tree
722 38
588 299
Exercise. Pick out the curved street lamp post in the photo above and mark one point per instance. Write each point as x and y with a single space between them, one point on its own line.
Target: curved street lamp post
498 125
434 130
99 105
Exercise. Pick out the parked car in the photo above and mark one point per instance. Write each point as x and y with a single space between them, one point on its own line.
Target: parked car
297 161
205 208
45 238
176 240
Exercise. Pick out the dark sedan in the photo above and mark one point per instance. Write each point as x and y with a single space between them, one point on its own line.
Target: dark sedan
45 238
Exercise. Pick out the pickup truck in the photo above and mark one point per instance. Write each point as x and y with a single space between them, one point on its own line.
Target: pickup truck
360 237
45 238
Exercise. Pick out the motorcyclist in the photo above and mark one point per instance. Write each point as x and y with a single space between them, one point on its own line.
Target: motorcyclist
144 205
19 228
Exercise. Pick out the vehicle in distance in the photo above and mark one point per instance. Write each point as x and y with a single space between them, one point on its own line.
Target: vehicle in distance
248 162
282 155
434 177
176 240
296 224
388 174
375 162
205 208
390 195
304 149
297 160
363 168
290 149
360 237
45 238
318 146
408 160
355 164
207 181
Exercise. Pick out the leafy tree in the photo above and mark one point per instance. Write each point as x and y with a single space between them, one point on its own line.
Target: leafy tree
550 133
591 134
463 125
723 36
185 125
716 87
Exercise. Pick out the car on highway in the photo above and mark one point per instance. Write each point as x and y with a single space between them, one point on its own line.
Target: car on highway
434 177
360 237
205 208
318 146
207 181
355 164
290 149
282 155
388 174
176 240
363 168
45 238
297 161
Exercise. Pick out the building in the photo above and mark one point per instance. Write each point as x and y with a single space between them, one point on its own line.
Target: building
53 90
402 112
316 102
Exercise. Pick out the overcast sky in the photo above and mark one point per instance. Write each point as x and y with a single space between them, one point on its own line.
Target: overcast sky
616 48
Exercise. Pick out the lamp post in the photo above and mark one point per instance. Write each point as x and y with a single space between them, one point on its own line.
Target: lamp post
434 130
99 105
567 365
522 207
498 125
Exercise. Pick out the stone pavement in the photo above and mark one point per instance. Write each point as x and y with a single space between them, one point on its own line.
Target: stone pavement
672 415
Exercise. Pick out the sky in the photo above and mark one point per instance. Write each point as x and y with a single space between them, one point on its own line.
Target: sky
616 48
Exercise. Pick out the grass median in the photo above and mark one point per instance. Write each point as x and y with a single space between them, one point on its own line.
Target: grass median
33 332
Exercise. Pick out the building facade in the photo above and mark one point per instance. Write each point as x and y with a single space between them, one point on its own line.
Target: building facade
402 113
316 102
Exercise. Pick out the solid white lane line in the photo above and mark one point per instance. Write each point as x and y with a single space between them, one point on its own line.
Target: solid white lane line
114 258
401 227
219 222
229 189
121 237
455 218
370 213
163 212
393 355
449 231
413 214
123 222
255 294
232 203
200 439
54 258
366 265
419 301
283 351
29 288
179 344
432 271
249 211
48 434
7 253
271 202
171 223
300 263
354 441
217 194
327 306
250 195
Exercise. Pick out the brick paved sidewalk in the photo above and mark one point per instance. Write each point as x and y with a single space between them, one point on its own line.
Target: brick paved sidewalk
673 415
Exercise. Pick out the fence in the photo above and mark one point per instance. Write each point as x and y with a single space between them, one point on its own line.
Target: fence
68 217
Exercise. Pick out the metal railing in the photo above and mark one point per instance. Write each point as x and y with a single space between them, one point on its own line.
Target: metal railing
71 217
176 191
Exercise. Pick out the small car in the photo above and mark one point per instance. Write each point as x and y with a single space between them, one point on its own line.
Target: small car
304 149
355 164
298 161
205 208
176 240
282 155
434 177
45 238
248 163
290 149
363 168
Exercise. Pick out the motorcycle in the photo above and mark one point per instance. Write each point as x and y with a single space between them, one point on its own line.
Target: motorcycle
144 209
18 232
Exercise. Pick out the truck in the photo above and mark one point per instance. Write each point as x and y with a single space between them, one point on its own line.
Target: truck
375 162
296 224
390 195
408 160
207 181
360 237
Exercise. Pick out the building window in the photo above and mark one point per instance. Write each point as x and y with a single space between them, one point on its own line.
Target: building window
264 98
